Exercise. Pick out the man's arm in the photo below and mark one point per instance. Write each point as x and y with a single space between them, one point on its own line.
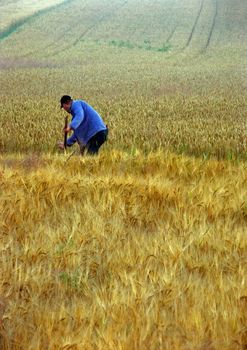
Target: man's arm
71 140
78 115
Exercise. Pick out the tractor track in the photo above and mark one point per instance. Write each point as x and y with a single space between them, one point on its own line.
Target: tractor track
195 24
16 26
182 49
212 26
168 39
86 31
49 45
96 23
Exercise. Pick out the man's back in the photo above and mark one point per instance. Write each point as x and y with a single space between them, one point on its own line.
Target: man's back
86 122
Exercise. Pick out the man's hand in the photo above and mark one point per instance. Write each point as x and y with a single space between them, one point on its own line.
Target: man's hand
60 145
66 130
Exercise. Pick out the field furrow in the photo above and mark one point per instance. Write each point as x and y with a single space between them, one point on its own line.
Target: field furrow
195 24
18 24
170 36
213 24
98 21
15 14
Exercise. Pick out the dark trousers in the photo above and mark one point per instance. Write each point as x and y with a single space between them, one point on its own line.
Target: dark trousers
96 142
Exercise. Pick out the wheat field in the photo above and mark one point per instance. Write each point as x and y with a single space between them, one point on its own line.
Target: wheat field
144 246
123 252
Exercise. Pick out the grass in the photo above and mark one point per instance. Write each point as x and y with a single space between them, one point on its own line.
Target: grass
145 46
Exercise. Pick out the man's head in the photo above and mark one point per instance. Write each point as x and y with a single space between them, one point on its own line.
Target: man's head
66 102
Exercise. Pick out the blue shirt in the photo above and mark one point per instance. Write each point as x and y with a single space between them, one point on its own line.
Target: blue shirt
85 123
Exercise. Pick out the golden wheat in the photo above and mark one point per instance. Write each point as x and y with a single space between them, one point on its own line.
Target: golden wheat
176 124
143 247
123 252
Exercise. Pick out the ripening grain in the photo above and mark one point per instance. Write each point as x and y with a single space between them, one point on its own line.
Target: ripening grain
121 252
143 247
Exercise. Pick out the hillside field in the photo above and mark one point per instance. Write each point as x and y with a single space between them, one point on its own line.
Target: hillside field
144 246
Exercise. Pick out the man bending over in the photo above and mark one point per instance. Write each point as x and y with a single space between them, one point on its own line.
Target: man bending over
89 130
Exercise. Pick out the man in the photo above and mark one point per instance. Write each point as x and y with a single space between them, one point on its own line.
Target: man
89 130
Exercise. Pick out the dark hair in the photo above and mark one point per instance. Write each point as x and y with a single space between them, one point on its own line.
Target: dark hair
65 99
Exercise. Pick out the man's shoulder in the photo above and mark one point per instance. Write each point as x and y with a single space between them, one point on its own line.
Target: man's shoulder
77 104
